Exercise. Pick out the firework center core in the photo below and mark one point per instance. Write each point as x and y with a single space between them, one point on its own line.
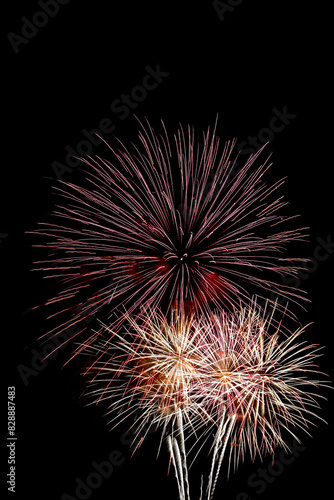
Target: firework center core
183 258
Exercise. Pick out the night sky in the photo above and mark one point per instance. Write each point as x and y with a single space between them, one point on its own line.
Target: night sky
75 67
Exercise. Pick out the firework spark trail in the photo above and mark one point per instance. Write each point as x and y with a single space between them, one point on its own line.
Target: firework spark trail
226 434
180 434
168 226
177 469
240 377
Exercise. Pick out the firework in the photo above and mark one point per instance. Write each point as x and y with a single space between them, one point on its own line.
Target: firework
239 377
169 224
148 375
262 386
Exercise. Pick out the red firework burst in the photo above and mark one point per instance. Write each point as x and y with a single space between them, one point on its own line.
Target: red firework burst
169 225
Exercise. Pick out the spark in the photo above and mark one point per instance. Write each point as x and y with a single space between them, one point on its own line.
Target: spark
238 376
170 225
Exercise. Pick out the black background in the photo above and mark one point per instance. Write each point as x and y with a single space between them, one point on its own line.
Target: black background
263 55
